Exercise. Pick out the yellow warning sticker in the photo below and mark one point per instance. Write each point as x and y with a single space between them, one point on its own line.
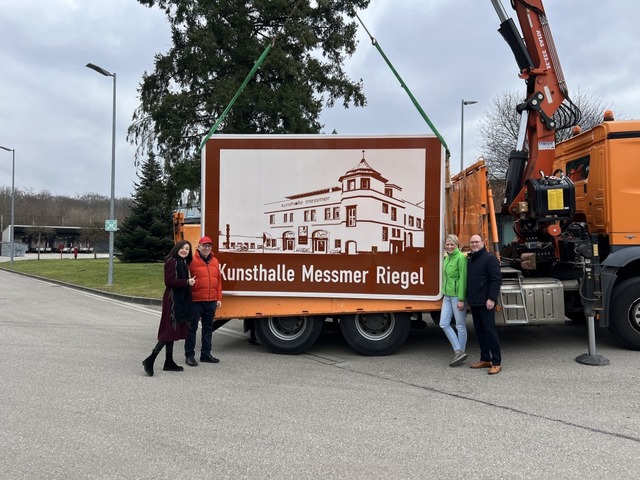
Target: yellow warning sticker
555 199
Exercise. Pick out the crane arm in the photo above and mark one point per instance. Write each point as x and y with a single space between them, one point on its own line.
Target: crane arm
547 107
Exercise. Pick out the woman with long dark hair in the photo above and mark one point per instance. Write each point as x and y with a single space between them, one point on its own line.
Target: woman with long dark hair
177 307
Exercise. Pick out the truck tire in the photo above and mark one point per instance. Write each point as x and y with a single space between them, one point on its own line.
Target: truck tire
288 335
624 321
376 334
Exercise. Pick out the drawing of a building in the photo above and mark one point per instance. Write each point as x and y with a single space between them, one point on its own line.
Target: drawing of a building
364 213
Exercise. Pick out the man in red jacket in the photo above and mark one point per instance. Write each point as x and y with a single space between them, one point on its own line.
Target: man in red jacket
207 296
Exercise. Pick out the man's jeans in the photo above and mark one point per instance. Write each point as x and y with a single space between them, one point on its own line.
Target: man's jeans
449 310
203 311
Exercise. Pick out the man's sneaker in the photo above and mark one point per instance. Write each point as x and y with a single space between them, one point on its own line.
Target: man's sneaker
191 362
458 358
208 358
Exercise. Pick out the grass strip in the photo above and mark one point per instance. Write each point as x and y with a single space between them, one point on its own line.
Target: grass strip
134 279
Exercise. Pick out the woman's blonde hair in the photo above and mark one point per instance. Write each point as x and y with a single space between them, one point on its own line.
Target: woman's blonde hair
452 238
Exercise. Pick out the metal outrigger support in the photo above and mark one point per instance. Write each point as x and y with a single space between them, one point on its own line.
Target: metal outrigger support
591 357
590 295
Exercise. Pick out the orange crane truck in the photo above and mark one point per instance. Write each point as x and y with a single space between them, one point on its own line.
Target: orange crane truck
349 229
572 205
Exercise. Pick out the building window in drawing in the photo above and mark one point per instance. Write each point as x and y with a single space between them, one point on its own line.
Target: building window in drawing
351 216
309 215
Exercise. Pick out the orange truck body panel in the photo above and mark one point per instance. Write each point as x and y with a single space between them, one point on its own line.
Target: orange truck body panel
185 231
471 204
603 163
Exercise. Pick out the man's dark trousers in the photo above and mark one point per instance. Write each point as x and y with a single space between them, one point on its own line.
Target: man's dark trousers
484 324
205 312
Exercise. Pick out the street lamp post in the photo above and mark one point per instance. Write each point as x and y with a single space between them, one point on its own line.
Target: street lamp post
112 204
13 201
462 104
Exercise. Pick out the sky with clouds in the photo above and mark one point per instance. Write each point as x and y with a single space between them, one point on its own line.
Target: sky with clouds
57 114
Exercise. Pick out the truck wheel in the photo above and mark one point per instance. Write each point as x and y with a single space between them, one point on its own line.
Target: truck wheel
375 333
624 321
288 335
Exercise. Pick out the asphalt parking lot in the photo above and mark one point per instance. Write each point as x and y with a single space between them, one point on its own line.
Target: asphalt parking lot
77 404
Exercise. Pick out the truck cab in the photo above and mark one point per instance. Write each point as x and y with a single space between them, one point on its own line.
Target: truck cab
604 164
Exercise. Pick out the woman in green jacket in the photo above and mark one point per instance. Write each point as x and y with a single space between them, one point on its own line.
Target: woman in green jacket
454 289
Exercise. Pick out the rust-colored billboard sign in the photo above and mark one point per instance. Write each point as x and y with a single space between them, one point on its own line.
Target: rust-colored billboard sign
326 215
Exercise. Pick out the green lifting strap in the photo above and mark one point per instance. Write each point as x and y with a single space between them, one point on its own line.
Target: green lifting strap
235 97
404 85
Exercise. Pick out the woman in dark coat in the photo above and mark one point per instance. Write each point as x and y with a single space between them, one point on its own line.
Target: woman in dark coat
177 308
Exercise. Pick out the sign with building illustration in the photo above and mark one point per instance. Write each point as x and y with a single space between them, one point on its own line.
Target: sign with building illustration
326 215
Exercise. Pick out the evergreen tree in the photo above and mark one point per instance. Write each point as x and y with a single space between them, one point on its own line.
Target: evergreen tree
215 45
146 234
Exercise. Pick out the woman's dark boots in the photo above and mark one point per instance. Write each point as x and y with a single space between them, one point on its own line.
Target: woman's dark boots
148 362
169 364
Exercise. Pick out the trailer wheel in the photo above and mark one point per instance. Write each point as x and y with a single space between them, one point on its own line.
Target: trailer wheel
288 335
624 321
375 333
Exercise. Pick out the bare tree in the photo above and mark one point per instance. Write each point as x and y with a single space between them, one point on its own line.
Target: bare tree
38 233
43 208
92 235
501 122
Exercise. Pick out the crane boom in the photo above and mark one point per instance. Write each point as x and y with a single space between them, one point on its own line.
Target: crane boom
547 106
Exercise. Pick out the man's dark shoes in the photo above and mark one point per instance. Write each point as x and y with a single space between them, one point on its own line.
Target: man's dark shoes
191 362
208 358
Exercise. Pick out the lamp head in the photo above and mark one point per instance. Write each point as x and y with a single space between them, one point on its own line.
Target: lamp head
100 70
